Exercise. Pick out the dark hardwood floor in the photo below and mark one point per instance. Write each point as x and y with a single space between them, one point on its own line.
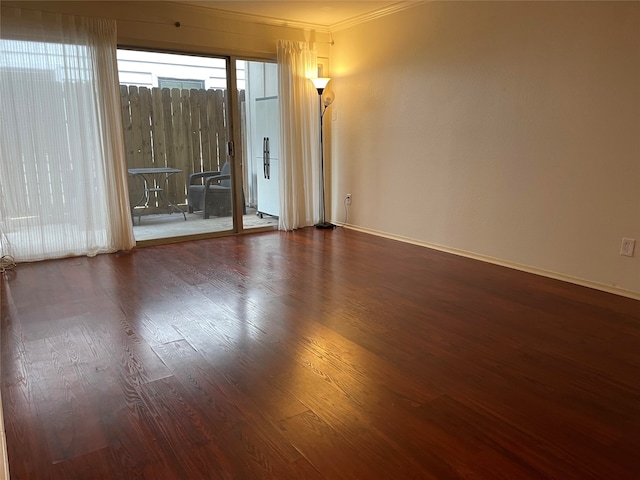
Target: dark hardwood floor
314 354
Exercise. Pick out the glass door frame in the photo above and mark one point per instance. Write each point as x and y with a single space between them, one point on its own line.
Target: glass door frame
235 135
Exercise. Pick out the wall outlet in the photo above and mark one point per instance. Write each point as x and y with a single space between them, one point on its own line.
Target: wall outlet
347 199
627 247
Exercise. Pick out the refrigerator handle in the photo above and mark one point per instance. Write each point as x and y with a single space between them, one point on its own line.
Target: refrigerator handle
268 159
264 156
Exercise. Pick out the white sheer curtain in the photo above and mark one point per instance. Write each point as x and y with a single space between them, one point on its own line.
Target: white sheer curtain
299 137
63 179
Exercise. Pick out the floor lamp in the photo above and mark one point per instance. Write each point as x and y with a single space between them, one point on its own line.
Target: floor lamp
320 84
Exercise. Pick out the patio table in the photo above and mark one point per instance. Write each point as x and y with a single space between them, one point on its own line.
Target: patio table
154 181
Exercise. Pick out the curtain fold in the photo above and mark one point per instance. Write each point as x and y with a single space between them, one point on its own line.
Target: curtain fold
63 179
299 136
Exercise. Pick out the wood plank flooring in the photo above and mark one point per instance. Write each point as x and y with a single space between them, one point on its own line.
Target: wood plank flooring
314 355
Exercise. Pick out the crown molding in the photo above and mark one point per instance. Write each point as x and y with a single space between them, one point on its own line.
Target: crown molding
381 12
280 22
253 18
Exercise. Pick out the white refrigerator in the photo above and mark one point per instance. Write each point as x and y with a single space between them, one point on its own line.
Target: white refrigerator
267 138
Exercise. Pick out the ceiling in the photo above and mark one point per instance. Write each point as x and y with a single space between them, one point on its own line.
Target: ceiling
304 12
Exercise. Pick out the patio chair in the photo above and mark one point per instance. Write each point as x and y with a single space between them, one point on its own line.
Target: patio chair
210 192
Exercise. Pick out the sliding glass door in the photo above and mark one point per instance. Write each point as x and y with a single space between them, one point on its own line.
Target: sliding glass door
176 118
202 155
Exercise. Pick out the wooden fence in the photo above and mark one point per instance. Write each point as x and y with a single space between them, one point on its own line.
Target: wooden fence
184 129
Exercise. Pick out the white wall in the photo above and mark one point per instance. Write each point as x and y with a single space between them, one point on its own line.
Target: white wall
508 130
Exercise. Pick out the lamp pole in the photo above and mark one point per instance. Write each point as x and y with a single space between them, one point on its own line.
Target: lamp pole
320 84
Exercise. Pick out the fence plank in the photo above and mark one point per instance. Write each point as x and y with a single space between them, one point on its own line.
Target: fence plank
135 188
136 131
145 125
194 131
204 129
212 163
212 113
167 123
157 129
179 133
136 145
220 127
126 124
176 194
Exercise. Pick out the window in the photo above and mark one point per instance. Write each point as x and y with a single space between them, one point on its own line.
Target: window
165 82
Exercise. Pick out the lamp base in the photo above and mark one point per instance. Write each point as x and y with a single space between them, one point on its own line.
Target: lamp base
325 225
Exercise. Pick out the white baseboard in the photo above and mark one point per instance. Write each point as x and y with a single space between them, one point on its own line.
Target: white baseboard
497 261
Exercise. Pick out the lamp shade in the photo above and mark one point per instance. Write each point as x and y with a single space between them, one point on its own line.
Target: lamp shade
320 83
